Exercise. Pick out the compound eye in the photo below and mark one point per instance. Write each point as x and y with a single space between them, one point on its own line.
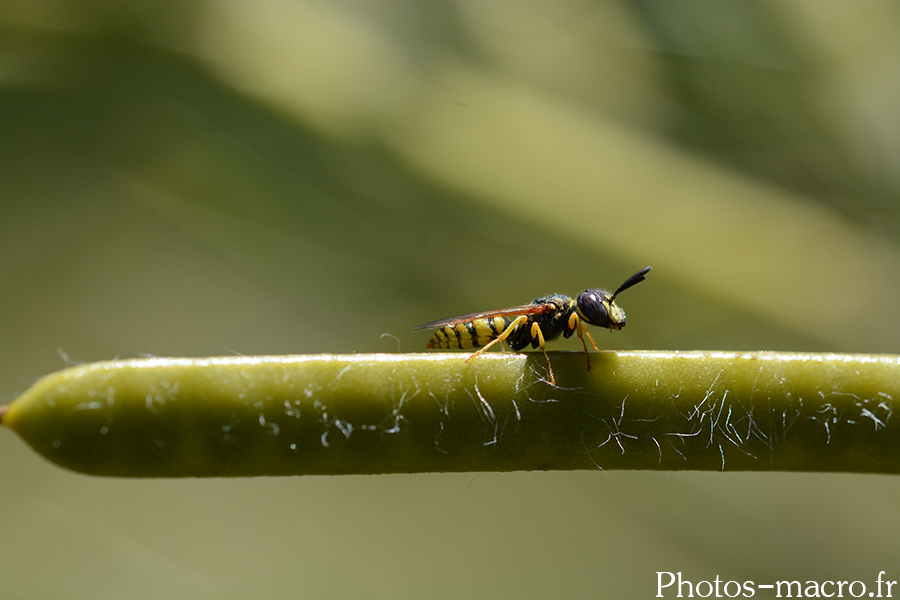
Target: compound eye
593 308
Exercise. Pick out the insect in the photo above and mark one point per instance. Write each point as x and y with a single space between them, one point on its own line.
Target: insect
536 323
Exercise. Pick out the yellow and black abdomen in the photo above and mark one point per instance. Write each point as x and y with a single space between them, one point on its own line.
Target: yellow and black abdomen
469 334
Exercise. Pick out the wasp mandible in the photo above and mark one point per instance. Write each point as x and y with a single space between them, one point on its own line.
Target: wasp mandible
536 323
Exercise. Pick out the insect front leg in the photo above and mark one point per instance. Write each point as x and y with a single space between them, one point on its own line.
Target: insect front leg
578 325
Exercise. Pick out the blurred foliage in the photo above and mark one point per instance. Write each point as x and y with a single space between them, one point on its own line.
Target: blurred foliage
207 177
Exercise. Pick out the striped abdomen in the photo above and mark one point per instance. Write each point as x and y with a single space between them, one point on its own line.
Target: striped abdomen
469 334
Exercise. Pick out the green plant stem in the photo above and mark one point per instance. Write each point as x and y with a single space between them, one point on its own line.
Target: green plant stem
404 413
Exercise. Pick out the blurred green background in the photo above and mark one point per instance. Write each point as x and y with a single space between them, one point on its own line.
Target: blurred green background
194 178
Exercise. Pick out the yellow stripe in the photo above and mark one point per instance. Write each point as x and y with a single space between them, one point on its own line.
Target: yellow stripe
499 325
459 336
452 337
483 328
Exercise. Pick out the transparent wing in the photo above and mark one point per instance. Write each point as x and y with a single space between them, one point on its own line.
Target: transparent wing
526 309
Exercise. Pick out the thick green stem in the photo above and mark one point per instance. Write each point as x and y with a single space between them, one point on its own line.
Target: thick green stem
403 413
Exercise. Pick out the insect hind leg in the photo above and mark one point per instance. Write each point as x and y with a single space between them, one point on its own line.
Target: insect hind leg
536 333
502 337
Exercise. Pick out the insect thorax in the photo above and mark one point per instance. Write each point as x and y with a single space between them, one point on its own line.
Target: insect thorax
552 323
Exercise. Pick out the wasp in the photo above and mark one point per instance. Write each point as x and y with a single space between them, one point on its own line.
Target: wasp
537 323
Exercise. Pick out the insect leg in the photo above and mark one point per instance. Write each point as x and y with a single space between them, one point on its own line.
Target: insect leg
505 334
537 333
578 325
590 339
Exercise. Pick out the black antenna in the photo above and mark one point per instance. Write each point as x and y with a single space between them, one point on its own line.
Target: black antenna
633 280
